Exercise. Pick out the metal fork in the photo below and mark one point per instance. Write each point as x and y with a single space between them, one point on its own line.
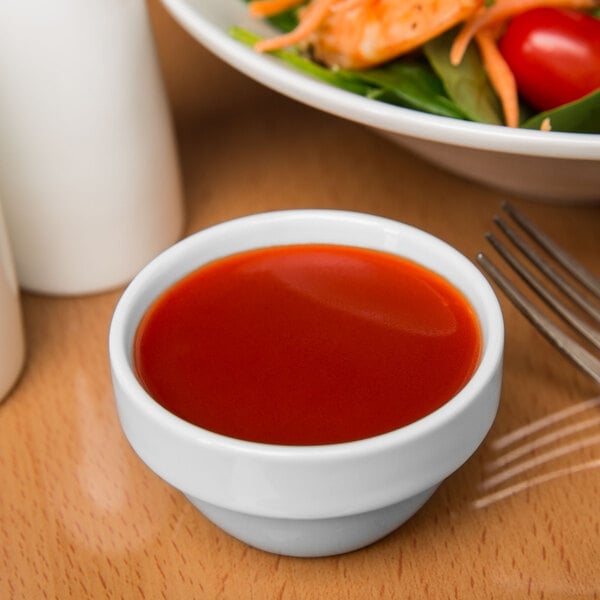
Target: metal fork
581 356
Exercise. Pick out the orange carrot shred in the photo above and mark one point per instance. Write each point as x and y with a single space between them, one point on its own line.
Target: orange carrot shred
500 75
310 19
267 8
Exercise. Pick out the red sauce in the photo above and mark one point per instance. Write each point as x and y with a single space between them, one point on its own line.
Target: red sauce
307 344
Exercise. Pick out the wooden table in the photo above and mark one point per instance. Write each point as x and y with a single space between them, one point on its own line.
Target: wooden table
82 517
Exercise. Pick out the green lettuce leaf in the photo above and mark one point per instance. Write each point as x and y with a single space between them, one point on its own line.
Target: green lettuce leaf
404 82
412 84
294 58
581 116
466 84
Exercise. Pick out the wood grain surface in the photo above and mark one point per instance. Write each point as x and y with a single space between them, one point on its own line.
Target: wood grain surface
82 517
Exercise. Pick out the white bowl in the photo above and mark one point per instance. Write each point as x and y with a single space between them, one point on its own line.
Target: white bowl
545 165
307 500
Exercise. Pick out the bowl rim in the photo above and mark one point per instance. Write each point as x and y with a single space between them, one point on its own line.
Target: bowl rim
121 361
388 118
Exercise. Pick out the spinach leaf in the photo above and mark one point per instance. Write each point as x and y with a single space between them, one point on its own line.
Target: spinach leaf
412 84
466 84
286 21
581 116
406 83
341 79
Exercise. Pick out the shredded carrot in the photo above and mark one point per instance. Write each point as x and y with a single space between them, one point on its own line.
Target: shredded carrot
267 8
310 19
342 5
500 75
500 11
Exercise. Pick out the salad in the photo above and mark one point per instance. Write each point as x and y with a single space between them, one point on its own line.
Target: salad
521 63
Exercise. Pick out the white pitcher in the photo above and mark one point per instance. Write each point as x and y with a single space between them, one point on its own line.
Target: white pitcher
88 167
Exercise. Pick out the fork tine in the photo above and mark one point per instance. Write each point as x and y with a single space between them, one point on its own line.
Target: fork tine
584 328
568 262
592 310
571 349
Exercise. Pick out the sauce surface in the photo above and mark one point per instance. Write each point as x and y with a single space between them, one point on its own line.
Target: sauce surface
307 344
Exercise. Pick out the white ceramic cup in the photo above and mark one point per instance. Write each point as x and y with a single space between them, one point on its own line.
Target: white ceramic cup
12 341
308 500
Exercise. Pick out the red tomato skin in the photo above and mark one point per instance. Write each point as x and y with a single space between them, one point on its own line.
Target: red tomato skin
554 55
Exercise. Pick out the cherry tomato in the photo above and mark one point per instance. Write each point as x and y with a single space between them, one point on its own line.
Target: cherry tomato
554 55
